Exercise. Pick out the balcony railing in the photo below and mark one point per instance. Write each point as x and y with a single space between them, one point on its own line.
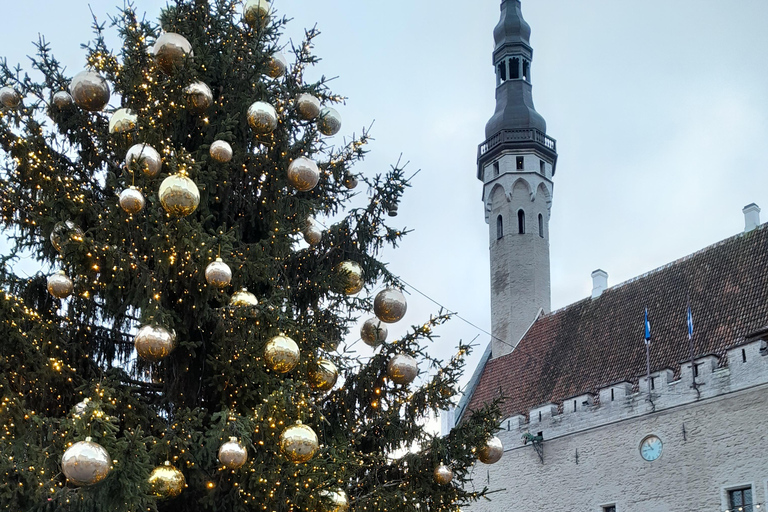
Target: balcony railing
519 135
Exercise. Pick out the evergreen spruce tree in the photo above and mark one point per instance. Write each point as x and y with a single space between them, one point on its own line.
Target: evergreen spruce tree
134 335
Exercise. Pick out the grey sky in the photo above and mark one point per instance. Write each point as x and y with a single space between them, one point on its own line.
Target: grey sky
659 107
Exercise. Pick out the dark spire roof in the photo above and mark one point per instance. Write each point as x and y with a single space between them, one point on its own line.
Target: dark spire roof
512 28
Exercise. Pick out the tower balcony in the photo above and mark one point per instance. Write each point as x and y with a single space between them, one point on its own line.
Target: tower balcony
517 136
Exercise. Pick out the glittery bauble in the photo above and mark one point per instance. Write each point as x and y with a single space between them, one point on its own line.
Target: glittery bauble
330 121
303 174
171 51
307 106
65 232
313 234
336 501
123 120
323 375
443 474
221 151
262 117
491 452
282 354
86 463
166 481
147 157
277 65
351 277
402 369
132 200
390 305
154 343
63 100
256 12
60 286
199 97
9 97
89 90
373 332
179 195
350 181
233 454
299 443
218 274
243 298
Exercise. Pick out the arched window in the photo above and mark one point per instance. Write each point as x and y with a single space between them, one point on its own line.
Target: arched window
514 68
541 226
499 228
521 222
502 72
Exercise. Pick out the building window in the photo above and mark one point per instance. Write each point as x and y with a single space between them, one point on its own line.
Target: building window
609 508
541 226
499 228
521 222
502 72
653 382
740 500
495 169
520 163
542 168
526 71
514 68
695 370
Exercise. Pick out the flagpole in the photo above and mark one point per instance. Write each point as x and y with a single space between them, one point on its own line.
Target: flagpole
648 358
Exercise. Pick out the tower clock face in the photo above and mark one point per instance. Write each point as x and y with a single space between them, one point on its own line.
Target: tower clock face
650 448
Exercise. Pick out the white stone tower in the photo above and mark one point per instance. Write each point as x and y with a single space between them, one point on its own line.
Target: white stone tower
516 164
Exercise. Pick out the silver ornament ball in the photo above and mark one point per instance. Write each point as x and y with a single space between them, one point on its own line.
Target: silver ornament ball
443 474
62 100
132 200
233 454
390 305
402 369
170 51
262 117
350 181
221 151
80 407
243 298
154 343
303 174
149 160
179 195
256 12
492 451
373 332
86 463
60 285
330 121
218 274
313 234
89 90
307 106
123 120
64 233
277 65
199 97
9 97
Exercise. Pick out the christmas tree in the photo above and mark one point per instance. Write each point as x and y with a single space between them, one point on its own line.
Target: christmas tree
179 349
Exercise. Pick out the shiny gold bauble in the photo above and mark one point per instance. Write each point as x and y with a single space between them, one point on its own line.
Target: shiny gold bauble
149 160
89 90
351 277
243 298
221 151
373 332
282 354
350 181
233 454
218 274
123 120
492 451
390 305
132 200
9 97
323 375
60 285
199 97
171 51
154 343
179 195
303 174
262 117
443 474
277 65
166 481
256 12
335 501
330 121
62 100
402 369
86 463
64 233
307 106
299 443
313 234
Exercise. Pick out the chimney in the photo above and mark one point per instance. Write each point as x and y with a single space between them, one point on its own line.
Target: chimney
751 217
599 282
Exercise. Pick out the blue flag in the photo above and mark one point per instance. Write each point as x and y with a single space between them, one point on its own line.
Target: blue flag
690 323
647 327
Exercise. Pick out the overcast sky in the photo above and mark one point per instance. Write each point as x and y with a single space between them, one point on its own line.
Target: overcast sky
659 107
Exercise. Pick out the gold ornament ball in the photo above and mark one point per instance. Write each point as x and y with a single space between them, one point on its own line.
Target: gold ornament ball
154 343
123 120
282 354
443 474
243 298
170 51
307 106
179 195
313 234
132 200
390 305
86 463
277 65
218 274
303 174
89 90
256 12
9 97
402 369
350 181
62 100
299 443
166 481
147 157
262 117
336 501
233 454
350 274
221 151
60 285
373 332
65 232
330 121
323 375
492 451
199 97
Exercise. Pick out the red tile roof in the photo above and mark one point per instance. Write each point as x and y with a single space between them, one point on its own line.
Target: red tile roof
597 342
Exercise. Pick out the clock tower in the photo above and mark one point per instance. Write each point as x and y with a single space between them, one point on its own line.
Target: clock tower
516 164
